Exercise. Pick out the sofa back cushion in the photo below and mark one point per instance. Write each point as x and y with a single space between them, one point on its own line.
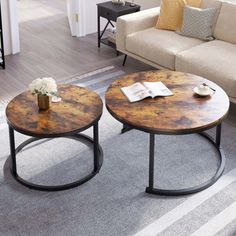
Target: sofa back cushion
211 4
225 25
198 22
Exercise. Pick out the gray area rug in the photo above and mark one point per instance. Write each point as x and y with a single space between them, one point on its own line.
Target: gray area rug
115 202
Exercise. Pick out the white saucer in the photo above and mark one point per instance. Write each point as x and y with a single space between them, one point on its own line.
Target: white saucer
56 99
210 92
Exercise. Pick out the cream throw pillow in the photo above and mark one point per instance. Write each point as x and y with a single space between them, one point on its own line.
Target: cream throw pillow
225 25
171 13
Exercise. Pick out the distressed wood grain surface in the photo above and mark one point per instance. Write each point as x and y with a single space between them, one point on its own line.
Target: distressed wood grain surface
184 112
79 108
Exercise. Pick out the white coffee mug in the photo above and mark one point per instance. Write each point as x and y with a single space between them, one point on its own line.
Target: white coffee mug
203 89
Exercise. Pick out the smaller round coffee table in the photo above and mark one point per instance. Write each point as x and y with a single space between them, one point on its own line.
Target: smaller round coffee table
182 113
79 109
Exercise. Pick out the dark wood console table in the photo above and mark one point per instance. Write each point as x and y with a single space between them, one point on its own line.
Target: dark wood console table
111 12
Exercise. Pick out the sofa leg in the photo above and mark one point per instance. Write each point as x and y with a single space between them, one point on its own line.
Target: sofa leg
125 58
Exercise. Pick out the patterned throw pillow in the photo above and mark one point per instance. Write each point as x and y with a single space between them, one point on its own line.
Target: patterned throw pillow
198 23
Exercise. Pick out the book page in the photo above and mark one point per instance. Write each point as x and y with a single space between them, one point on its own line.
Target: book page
157 89
135 92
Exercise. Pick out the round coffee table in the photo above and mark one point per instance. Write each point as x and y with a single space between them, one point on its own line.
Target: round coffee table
79 109
182 113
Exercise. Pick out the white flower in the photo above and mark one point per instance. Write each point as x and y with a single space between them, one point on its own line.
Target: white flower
44 86
35 85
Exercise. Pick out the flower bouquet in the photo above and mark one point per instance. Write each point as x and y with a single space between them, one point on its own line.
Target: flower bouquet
43 88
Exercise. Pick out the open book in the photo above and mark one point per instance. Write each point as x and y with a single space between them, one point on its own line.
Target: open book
139 91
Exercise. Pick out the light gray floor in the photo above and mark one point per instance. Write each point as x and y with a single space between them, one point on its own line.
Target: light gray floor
47 49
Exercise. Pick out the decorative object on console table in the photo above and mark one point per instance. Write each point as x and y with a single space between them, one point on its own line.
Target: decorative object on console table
132 4
2 56
119 2
111 12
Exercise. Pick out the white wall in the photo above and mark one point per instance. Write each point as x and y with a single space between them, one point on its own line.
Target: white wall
145 4
10 27
71 11
91 15
6 26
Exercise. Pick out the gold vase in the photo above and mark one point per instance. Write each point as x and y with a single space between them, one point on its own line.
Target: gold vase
43 102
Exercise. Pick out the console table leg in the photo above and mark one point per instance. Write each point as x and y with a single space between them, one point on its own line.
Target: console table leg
218 134
99 30
13 151
96 147
151 160
125 58
104 30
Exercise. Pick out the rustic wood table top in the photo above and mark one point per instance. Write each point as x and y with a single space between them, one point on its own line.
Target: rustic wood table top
78 110
184 112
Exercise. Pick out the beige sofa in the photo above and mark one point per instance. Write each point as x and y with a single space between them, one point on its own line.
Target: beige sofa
215 60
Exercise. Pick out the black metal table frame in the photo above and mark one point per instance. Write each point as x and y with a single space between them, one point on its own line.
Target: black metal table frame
2 64
97 153
177 192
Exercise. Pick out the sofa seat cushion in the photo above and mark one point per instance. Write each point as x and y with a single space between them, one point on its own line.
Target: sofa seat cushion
159 46
213 60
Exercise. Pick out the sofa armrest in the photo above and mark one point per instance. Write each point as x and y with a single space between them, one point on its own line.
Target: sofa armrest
134 22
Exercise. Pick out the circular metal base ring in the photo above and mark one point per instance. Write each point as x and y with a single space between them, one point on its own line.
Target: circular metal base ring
200 187
79 137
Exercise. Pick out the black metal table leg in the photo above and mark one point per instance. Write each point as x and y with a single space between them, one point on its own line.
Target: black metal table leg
95 146
151 160
98 161
177 192
126 128
218 135
13 151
